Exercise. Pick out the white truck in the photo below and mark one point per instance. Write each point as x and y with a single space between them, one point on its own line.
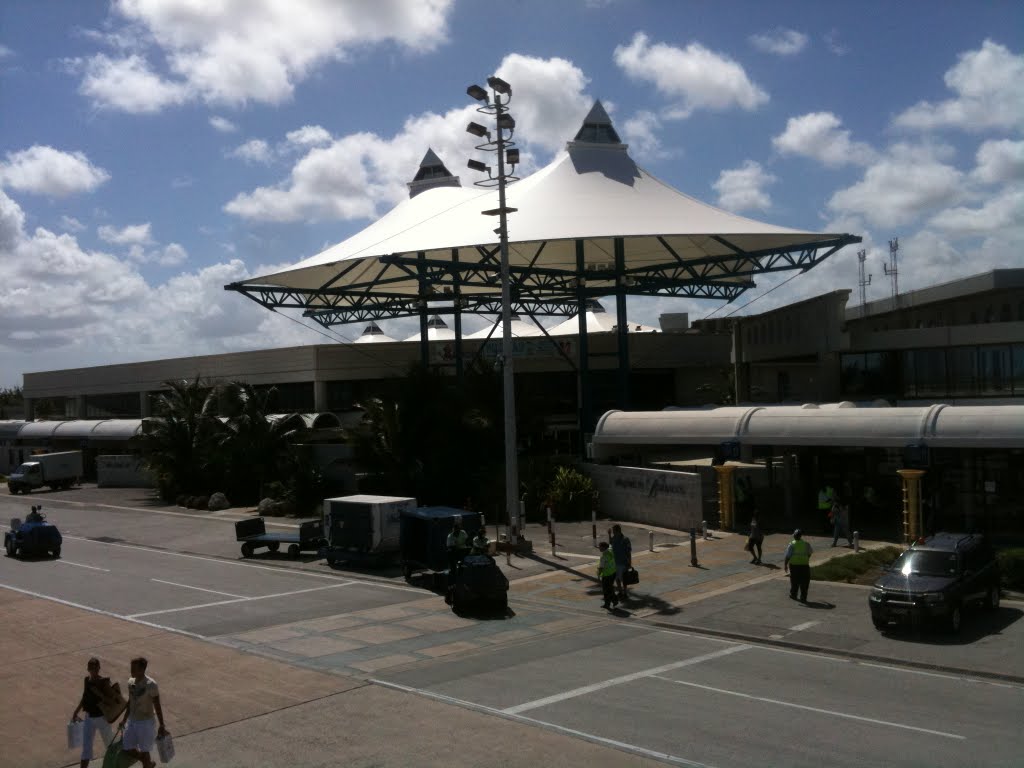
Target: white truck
56 470
363 527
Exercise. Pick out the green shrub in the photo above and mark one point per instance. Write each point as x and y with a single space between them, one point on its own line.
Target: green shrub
1011 565
572 493
852 567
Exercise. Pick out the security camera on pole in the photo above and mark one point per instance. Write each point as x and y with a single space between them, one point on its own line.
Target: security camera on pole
495 104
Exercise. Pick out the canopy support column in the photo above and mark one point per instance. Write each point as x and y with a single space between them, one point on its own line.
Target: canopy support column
622 328
583 366
421 270
457 293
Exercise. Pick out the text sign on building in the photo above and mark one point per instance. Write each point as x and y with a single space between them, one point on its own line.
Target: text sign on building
650 496
491 349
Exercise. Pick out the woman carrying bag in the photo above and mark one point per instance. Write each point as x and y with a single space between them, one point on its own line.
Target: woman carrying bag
755 540
92 693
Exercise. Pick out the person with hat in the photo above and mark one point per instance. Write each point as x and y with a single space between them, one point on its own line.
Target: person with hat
797 563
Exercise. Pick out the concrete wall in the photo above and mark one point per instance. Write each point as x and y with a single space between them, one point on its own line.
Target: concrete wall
649 496
122 472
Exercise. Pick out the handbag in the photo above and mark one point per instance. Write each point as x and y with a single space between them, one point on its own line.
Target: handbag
76 732
112 701
116 757
749 546
630 577
165 747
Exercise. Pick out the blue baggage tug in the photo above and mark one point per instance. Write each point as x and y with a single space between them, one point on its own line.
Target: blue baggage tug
32 538
424 537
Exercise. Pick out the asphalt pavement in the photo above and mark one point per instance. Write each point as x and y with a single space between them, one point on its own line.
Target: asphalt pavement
707 665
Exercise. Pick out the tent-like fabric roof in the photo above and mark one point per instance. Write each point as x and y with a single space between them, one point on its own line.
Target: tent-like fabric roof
937 426
372 334
598 321
519 327
593 193
437 330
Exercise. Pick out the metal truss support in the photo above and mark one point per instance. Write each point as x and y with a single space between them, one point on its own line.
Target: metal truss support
583 389
457 293
622 327
421 257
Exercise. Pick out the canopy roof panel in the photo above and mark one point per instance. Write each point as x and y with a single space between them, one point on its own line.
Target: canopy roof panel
594 194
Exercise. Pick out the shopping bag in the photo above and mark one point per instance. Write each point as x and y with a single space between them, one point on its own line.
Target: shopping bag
112 702
749 546
630 577
165 748
112 755
76 731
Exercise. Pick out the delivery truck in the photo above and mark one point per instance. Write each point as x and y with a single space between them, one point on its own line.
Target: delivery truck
55 470
364 528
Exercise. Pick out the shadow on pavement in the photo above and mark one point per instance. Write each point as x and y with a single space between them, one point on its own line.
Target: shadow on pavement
977 625
820 605
638 601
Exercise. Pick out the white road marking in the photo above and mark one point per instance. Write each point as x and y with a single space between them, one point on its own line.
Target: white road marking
280 571
102 612
199 589
802 627
813 709
622 745
583 691
573 554
83 565
239 600
775 637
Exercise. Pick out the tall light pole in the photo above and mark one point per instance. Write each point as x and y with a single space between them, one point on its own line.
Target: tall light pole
495 104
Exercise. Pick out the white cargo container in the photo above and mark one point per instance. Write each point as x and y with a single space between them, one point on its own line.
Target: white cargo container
56 470
363 525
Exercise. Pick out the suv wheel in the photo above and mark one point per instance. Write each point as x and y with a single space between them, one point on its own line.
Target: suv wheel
992 599
955 619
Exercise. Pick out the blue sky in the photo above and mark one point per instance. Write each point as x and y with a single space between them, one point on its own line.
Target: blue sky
153 150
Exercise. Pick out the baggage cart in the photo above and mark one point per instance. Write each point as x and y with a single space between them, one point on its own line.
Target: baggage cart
253 535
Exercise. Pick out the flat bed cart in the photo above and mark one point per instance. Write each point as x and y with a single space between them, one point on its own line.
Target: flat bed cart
253 534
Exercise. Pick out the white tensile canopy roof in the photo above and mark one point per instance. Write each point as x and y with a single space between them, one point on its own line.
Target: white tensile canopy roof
598 321
520 328
437 330
373 334
593 193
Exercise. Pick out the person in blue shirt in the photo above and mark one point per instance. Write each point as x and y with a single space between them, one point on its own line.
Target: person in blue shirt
622 549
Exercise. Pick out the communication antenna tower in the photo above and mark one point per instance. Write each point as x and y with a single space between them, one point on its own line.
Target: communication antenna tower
863 282
892 270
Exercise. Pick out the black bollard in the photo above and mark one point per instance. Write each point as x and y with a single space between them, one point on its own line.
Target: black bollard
693 547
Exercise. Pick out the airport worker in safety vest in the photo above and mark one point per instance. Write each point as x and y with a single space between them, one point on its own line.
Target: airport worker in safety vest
797 563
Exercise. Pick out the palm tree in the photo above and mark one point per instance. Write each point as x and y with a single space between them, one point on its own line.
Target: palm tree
180 443
256 442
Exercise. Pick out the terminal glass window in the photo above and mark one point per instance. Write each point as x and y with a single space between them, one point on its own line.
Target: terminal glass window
995 377
930 372
1018 369
963 371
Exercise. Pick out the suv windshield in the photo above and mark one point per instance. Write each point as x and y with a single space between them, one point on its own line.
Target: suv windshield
926 563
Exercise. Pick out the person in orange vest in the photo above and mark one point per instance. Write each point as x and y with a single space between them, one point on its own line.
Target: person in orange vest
797 563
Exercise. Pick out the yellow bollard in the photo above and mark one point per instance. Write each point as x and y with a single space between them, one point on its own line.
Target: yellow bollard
911 503
725 495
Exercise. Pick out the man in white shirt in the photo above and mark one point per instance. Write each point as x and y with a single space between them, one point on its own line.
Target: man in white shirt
141 716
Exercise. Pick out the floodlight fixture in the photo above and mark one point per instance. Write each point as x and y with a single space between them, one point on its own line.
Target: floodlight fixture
476 165
477 130
505 120
477 92
512 156
499 85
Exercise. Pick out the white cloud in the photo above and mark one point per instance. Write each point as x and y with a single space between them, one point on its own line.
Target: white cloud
989 95
780 41
83 288
133 234
819 135
253 151
1000 161
697 77
71 224
904 184
998 216
47 171
834 44
355 175
230 53
308 136
128 85
641 133
5 52
742 189
222 124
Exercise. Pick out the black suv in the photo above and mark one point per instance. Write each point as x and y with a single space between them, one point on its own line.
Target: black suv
935 579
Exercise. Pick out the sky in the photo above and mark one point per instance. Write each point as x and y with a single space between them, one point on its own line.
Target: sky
152 151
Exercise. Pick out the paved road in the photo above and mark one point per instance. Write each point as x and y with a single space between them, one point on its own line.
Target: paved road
654 692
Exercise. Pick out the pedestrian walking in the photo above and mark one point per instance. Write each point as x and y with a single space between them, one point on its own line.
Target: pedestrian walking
144 713
826 500
622 550
797 563
92 693
755 540
606 572
841 522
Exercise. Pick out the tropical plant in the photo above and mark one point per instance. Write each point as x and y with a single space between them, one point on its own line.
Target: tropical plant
181 443
571 492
